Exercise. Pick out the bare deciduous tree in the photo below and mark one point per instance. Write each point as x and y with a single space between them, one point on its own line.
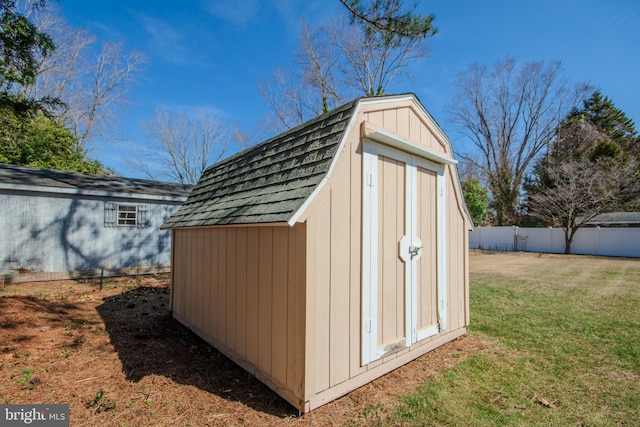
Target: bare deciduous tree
91 84
570 186
182 145
335 63
509 115
317 61
582 190
289 102
369 63
306 89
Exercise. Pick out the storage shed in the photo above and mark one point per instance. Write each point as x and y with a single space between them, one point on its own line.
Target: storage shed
329 255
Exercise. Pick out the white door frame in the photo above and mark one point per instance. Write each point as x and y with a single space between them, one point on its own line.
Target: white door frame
407 248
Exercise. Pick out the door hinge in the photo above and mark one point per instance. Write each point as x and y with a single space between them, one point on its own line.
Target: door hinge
369 180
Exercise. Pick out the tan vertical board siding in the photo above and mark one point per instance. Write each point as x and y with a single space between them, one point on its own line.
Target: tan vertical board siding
390 119
456 257
354 149
311 312
329 230
339 280
206 297
265 297
428 262
212 264
467 312
176 277
253 309
188 260
231 285
296 308
175 259
408 123
253 274
192 287
279 304
322 240
322 217
375 117
241 291
221 283
391 270
199 280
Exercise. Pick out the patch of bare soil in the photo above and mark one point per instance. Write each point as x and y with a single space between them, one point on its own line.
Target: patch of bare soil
118 358
516 264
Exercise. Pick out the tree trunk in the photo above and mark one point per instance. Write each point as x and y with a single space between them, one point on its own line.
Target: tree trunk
568 239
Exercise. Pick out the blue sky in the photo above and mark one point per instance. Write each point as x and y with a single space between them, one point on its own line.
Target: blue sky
212 53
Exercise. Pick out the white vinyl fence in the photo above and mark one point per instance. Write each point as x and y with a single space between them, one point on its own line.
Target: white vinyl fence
624 242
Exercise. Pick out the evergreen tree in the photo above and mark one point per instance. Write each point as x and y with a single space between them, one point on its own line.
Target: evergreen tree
39 141
21 45
591 167
29 136
601 112
476 198
389 19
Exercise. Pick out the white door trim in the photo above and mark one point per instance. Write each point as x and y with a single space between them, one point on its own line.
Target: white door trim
410 241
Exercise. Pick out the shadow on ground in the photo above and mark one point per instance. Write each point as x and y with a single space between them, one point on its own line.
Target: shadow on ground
27 314
149 341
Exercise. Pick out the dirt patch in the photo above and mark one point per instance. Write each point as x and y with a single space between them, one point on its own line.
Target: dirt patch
117 357
516 264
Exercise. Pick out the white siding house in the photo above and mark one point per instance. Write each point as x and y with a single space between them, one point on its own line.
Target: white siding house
56 224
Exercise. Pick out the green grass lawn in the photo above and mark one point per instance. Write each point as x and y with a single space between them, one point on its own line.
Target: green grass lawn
564 334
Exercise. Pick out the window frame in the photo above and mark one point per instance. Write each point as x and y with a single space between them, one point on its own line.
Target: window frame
127 209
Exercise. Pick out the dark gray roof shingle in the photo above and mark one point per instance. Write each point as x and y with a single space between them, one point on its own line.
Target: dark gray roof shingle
37 177
616 218
268 182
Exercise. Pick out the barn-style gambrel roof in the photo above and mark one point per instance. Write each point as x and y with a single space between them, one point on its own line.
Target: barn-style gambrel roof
274 181
267 183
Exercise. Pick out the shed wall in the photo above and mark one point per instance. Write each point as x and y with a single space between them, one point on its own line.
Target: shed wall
334 248
242 290
48 232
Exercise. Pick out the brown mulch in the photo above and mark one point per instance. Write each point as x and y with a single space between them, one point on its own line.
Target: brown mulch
118 358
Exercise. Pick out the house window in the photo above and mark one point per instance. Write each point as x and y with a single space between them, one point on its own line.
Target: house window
127 215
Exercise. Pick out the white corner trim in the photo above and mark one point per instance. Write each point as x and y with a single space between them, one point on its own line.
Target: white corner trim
385 137
346 134
297 214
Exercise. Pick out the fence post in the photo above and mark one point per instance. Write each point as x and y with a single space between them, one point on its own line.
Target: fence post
598 240
550 240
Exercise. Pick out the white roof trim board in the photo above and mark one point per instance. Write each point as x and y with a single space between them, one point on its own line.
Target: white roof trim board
389 138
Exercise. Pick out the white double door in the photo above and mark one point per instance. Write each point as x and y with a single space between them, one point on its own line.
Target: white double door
404 289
